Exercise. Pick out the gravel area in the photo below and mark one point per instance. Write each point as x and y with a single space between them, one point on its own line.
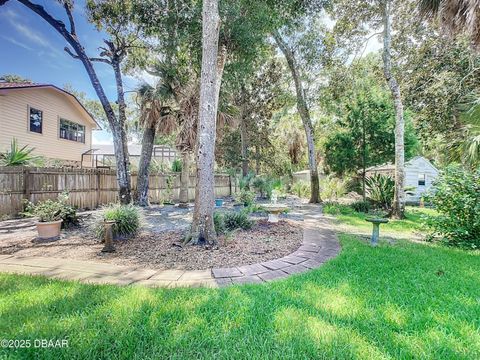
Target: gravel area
157 246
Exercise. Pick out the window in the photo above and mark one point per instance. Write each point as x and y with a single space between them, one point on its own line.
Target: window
421 179
72 131
35 120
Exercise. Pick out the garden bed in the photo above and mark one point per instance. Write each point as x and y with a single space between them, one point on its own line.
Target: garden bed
160 250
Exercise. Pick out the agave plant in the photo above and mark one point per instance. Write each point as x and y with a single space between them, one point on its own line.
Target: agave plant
380 189
18 156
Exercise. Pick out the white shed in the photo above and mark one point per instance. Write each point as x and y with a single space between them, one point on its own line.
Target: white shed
419 175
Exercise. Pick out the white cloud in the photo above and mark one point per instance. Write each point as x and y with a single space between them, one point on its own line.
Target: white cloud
33 37
18 43
36 38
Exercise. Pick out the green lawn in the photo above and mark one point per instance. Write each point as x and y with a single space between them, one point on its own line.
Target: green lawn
399 301
352 220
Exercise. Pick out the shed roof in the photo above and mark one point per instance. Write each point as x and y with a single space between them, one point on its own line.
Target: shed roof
390 166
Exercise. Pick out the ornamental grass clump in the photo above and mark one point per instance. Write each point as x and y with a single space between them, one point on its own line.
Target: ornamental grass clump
127 219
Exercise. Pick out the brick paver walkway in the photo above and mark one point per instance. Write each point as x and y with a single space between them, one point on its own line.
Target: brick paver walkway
319 245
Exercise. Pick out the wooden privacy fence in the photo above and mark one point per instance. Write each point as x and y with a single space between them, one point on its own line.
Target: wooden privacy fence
88 188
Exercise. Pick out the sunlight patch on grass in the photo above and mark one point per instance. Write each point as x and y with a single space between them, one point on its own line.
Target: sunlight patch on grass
333 340
394 315
188 327
338 302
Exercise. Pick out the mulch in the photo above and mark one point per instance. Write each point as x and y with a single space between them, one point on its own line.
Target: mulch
161 250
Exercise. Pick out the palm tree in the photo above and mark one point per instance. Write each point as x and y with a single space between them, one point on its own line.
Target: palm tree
172 107
461 17
457 16
156 115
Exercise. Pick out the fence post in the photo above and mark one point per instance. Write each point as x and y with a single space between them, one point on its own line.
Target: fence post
97 201
26 184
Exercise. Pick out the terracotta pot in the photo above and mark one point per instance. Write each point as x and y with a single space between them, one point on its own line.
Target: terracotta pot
49 230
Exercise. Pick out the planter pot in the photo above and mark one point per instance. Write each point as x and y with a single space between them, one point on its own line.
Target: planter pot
218 202
49 230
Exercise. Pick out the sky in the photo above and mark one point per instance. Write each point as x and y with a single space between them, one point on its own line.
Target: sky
31 48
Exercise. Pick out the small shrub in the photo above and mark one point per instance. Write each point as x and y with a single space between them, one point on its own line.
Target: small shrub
237 220
245 197
456 196
332 188
219 222
361 206
301 189
246 182
157 166
263 185
127 218
254 208
380 189
177 165
332 208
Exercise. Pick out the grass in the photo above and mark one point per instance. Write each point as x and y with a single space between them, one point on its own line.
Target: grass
352 220
401 301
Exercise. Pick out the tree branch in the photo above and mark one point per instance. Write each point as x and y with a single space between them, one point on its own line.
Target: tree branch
69 52
57 24
68 10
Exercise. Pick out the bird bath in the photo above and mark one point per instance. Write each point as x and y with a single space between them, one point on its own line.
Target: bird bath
274 210
376 229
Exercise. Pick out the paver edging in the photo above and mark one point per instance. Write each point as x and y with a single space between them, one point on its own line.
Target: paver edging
319 245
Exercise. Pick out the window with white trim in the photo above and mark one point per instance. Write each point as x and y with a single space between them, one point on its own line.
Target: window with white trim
421 179
70 130
35 120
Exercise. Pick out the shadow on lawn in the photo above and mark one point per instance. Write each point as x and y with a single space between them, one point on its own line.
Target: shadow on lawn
369 303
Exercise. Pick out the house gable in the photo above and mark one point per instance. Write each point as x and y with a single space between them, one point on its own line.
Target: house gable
56 107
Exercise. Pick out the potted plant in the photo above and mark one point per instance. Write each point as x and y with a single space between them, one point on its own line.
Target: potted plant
49 214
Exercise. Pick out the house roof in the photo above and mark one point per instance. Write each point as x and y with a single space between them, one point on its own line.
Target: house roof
390 166
29 85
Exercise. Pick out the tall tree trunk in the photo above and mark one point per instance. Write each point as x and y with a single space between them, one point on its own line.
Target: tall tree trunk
398 206
243 131
244 144
305 116
257 159
117 126
221 61
144 166
185 179
203 230
121 143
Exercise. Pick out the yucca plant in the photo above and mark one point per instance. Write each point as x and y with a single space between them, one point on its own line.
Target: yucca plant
18 156
380 189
